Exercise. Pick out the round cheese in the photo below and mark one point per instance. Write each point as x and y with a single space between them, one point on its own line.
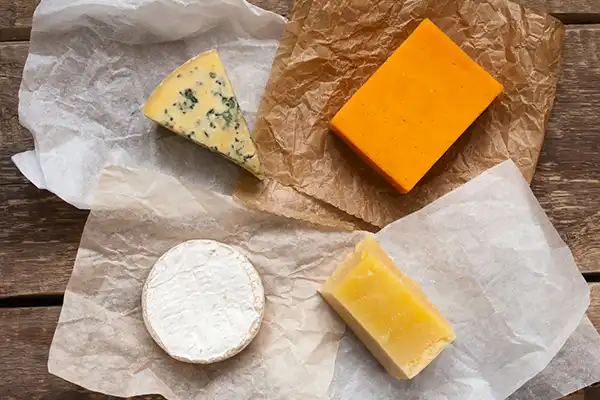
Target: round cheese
203 302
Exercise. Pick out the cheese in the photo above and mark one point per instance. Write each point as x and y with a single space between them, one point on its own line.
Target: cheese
415 106
387 310
197 102
203 302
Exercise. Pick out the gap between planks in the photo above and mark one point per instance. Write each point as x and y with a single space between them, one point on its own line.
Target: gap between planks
39 257
15 34
23 34
27 334
32 301
57 299
578 18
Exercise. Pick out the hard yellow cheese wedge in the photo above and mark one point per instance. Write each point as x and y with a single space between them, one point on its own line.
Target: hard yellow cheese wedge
197 101
387 310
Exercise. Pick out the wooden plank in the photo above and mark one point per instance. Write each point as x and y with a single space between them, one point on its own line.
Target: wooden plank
25 337
13 137
594 309
39 236
592 392
15 19
567 181
16 15
580 395
44 231
26 334
39 233
281 7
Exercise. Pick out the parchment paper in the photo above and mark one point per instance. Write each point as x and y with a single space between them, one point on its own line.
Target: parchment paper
489 258
93 63
575 366
101 342
272 196
341 44
485 254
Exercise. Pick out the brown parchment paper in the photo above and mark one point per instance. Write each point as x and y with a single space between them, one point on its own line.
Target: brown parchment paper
274 197
271 195
340 44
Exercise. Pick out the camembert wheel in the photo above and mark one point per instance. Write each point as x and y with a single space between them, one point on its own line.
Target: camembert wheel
203 302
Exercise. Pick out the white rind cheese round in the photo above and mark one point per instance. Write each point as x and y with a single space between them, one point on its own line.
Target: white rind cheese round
203 302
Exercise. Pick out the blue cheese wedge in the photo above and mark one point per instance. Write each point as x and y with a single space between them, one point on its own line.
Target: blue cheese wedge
197 102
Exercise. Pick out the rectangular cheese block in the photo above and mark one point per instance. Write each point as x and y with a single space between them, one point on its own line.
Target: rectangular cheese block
415 106
387 310
197 101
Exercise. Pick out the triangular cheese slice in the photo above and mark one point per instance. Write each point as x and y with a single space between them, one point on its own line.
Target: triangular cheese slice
197 101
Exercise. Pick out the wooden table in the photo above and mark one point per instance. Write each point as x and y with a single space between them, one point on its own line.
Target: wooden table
39 233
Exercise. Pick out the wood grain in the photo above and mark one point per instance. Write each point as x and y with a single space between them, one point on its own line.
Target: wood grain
16 15
26 334
281 7
567 181
580 395
25 337
43 231
594 309
15 19
39 233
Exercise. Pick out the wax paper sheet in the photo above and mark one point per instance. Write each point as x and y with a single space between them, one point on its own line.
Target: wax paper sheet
340 44
485 254
101 342
574 367
93 63
489 258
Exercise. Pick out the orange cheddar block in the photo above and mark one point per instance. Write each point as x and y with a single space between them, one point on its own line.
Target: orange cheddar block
388 311
415 106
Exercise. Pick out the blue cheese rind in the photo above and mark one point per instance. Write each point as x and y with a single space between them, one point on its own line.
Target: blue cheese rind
197 102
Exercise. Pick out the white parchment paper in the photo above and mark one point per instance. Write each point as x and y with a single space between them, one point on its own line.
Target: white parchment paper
101 342
489 258
93 63
485 254
574 367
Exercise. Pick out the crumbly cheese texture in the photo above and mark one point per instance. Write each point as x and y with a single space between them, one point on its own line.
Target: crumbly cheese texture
415 106
387 310
203 302
197 102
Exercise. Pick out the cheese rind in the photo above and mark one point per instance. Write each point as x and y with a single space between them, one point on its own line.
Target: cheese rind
415 106
203 302
387 310
197 101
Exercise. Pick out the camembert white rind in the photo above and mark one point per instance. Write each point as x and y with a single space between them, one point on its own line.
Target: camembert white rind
197 102
203 302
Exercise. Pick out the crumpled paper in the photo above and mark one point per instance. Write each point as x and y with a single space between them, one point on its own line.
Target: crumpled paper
575 366
489 258
93 63
485 254
333 47
101 341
